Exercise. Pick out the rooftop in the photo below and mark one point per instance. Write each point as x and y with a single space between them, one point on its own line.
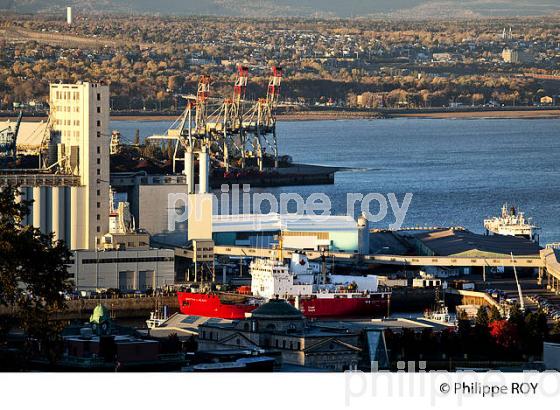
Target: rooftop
282 222
454 242
276 309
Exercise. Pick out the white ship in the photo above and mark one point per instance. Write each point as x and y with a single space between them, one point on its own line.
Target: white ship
314 292
512 223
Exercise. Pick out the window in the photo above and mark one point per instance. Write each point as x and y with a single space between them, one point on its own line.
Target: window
98 217
98 97
98 123
98 171
98 134
99 150
98 229
98 192
98 110
98 161
99 205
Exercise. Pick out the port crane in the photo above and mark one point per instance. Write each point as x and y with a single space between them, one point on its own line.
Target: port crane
8 144
223 127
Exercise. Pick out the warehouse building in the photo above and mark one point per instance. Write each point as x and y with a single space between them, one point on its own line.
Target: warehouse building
463 243
305 232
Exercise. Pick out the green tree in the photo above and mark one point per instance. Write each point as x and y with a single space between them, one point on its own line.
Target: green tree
494 314
33 274
482 317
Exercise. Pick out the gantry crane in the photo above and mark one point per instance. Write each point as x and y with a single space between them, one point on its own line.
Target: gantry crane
224 129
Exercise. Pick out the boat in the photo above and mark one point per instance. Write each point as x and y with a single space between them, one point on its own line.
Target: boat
314 292
512 223
158 316
156 319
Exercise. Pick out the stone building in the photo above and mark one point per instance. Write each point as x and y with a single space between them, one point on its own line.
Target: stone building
277 326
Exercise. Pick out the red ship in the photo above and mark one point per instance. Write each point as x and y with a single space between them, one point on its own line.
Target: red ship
342 296
234 306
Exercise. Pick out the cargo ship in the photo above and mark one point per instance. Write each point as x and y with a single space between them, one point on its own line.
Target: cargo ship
315 293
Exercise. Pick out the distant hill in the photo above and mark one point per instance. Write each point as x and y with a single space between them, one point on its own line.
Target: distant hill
302 8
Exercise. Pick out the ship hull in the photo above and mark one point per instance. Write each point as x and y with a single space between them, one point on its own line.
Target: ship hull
210 305
367 306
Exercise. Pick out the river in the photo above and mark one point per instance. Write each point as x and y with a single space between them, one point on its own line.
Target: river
458 170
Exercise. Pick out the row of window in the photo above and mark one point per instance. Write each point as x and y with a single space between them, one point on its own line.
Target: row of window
67 108
67 95
293 346
67 122
128 260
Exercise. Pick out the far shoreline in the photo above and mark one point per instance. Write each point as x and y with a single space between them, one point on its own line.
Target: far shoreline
328 115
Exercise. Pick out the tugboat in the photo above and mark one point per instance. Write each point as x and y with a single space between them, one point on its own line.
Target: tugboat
512 223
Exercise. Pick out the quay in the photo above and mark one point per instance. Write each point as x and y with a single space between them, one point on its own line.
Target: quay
120 308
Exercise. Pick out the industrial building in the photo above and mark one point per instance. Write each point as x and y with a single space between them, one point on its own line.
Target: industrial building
453 242
148 196
73 203
128 270
72 197
306 232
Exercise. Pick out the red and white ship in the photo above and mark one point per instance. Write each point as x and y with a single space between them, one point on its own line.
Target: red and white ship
316 294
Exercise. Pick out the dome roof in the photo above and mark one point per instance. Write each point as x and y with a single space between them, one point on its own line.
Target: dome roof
276 309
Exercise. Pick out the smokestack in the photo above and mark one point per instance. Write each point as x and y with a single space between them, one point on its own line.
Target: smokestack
69 15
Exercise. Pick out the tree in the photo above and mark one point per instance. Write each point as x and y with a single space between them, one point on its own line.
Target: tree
494 314
33 274
504 333
482 317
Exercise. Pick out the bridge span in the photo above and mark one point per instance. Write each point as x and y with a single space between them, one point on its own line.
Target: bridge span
547 262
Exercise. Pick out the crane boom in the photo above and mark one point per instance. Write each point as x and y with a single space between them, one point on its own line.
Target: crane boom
521 302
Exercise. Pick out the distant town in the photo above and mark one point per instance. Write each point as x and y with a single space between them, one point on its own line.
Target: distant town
149 62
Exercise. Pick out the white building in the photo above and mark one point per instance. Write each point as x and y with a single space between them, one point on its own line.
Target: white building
69 15
80 116
136 269
305 232
126 261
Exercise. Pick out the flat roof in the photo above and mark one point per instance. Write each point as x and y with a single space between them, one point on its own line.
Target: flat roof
282 222
452 242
